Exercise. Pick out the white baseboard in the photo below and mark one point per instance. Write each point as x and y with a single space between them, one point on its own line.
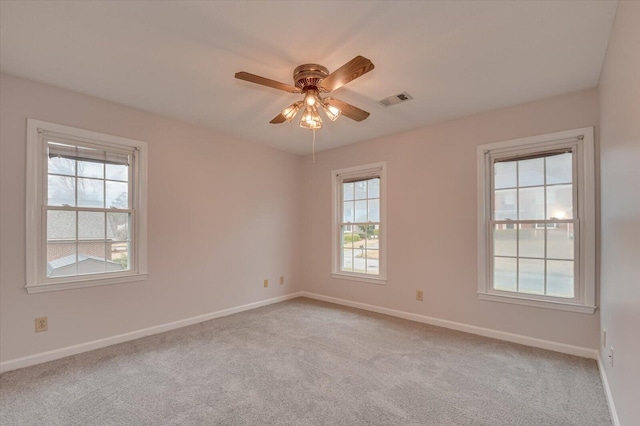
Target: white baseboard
607 392
40 358
101 343
30 360
481 331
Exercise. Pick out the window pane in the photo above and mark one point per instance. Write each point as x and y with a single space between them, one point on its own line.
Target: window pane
361 190
349 238
560 278
359 243
373 264
91 169
359 258
61 225
559 169
531 203
504 240
505 274
62 166
371 233
352 243
119 257
505 204
90 193
117 195
347 191
347 260
531 276
531 172
360 248
91 226
118 226
374 188
505 175
560 202
348 212
361 211
117 172
560 241
531 240
91 257
374 210
61 259
61 191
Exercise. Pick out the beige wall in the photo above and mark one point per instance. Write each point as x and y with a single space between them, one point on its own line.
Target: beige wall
620 165
431 209
222 216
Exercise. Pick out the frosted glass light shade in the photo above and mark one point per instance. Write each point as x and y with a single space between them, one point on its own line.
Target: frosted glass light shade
290 112
311 119
332 112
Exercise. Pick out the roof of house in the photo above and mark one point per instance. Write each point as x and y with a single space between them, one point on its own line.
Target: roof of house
56 264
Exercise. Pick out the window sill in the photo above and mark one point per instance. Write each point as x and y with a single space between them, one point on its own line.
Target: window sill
91 282
548 304
364 279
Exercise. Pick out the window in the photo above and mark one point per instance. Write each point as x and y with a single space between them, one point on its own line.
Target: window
536 227
359 223
86 221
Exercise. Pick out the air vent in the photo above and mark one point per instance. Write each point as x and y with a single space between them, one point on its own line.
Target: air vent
396 99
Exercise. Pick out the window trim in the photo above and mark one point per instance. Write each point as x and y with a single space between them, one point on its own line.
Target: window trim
35 226
584 154
337 176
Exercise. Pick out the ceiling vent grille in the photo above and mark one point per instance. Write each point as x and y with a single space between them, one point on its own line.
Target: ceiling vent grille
395 99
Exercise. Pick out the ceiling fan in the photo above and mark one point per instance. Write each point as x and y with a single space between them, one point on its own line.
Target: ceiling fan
311 80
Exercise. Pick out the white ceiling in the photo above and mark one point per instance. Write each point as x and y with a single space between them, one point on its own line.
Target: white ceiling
178 58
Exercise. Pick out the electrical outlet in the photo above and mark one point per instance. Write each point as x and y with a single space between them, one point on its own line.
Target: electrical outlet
419 295
611 356
604 338
281 280
42 324
266 283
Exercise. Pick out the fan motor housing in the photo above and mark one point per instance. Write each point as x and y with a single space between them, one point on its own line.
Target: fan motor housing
307 76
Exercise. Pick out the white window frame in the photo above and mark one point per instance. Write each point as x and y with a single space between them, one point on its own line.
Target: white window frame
36 279
337 177
582 143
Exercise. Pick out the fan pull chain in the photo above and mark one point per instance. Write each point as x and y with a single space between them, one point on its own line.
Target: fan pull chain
313 145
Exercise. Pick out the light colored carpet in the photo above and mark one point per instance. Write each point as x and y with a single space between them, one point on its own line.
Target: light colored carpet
304 362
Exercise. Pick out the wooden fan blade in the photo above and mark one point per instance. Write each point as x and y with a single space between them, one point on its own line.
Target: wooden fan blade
348 110
353 69
278 119
252 78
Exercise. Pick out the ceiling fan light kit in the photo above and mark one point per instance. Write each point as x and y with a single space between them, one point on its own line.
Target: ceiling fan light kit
310 80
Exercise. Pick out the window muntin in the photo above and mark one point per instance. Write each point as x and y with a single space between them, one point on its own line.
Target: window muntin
533 241
358 249
536 218
360 226
86 208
